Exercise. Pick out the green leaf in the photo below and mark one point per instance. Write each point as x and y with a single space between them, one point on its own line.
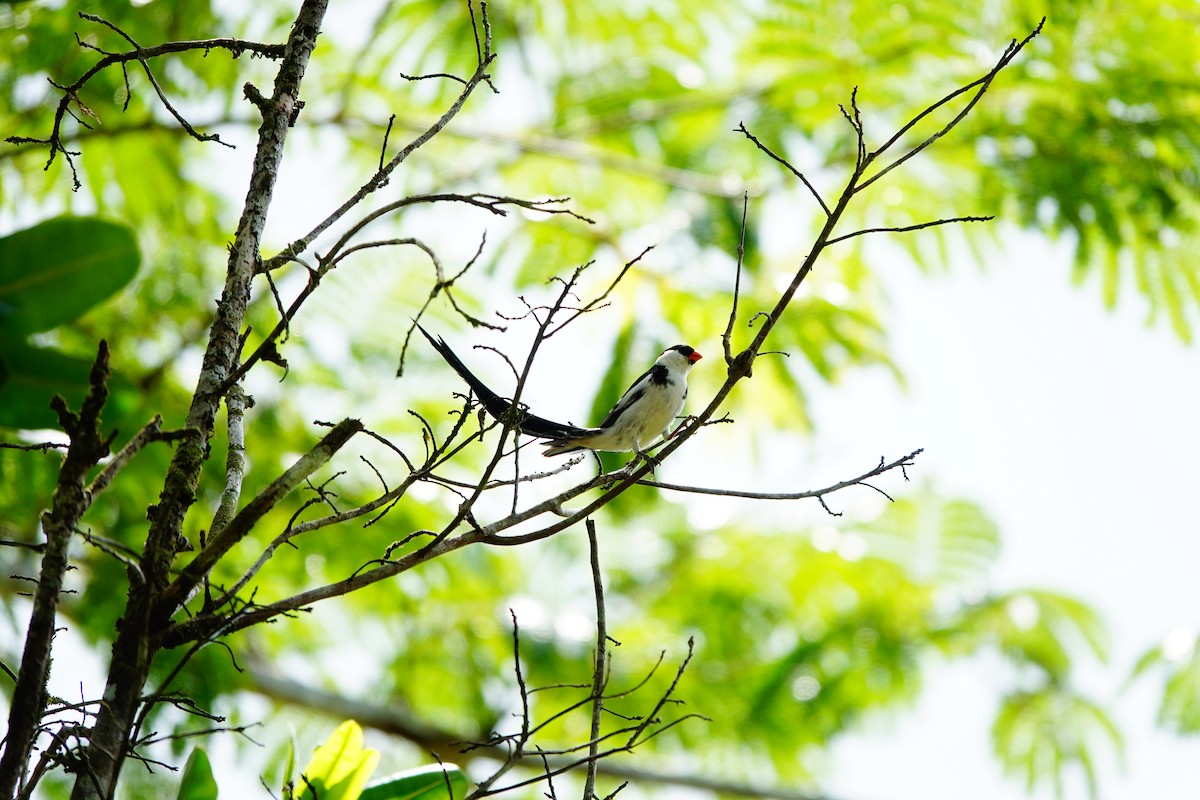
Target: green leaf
340 767
30 376
1039 734
431 782
1179 655
289 767
1180 708
197 782
55 271
935 540
1037 627
33 376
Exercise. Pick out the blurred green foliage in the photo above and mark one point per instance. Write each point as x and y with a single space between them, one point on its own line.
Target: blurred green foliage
1179 658
629 111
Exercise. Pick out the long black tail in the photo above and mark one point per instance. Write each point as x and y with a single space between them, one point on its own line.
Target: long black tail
497 406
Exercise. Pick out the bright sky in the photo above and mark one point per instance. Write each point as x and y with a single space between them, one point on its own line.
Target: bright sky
1077 431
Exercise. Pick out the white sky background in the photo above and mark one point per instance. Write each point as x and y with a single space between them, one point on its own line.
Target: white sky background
1077 431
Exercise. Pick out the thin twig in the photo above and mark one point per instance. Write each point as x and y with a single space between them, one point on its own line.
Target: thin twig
162 96
596 302
380 178
983 83
741 128
907 228
150 432
900 463
727 337
142 55
600 662
44 447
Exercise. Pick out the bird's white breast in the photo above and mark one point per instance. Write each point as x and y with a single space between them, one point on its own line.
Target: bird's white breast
650 418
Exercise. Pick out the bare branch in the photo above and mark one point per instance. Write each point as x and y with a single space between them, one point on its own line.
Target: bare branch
162 96
983 84
44 447
58 523
600 662
236 403
900 463
597 302
907 228
244 521
495 204
142 55
741 128
150 432
380 178
521 739
727 337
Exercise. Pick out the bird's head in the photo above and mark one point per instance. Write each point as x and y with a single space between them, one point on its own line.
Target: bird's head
680 357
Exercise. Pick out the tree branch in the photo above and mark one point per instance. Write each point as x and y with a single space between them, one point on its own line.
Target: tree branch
900 463
134 648
239 526
908 228
983 83
741 128
380 178
70 502
599 672
142 55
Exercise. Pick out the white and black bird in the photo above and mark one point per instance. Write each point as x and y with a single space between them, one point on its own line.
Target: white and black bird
642 415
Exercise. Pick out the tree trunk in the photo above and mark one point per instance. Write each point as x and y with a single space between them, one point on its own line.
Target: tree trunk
134 649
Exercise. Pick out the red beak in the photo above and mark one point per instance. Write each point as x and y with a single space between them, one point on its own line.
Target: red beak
694 357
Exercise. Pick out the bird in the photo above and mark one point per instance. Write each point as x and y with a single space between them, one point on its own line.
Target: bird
643 414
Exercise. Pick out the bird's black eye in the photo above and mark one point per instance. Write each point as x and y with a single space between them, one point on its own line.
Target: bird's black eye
682 349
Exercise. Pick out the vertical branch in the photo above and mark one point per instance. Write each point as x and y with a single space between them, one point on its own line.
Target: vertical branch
484 787
727 337
589 786
236 403
134 649
70 502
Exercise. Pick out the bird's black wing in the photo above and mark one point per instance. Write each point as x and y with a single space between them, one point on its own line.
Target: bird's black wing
497 406
656 374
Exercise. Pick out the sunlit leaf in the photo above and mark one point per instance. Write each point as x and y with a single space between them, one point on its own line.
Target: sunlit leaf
340 767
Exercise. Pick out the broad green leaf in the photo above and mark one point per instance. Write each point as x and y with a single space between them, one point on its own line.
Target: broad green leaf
431 782
197 782
340 767
55 271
